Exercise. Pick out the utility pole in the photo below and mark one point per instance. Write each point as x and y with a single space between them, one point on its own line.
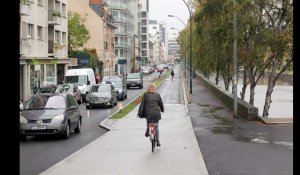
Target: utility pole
234 79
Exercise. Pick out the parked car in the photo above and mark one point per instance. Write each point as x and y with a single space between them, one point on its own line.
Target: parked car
47 89
101 95
134 79
120 87
70 89
50 114
160 69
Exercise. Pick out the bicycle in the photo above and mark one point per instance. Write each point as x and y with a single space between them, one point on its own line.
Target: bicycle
152 135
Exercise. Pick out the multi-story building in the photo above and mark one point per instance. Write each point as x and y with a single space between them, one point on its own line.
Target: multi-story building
144 25
43 44
95 25
107 64
123 12
174 48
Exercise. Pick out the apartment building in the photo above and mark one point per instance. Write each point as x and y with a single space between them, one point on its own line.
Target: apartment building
124 13
174 50
43 44
144 29
107 64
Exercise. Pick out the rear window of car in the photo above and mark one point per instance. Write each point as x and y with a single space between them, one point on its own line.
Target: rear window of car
133 75
46 102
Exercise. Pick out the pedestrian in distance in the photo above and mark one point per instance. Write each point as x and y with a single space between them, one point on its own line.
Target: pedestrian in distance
172 74
151 109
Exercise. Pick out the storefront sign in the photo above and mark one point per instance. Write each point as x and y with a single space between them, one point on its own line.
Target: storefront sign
42 61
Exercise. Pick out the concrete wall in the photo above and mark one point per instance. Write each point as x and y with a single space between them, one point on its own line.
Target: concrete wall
245 109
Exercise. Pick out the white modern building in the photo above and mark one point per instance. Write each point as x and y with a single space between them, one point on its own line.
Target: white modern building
124 13
174 50
43 44
144 25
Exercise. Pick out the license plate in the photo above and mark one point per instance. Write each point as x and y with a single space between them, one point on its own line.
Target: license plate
38 127
133 84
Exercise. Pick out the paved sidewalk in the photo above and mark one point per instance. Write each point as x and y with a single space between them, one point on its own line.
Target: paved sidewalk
125 149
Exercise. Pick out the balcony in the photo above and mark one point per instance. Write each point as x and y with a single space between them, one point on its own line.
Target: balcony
54 17
56 49
25 46
25 9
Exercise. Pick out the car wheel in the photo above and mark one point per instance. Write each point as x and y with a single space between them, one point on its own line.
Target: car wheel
67 131
78 128
128 87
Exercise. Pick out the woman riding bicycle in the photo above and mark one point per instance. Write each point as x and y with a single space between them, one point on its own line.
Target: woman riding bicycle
153 105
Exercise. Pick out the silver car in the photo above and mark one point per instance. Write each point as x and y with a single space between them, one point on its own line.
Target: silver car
101 95
70 89
50 114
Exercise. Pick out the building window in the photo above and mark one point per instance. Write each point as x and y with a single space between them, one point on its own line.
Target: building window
64 37
50 74
121 53
144 29
40 2
57 36
144 45
144 53
57 6
30 31
116 53
39 33
144 22
64 10
144 37
144 15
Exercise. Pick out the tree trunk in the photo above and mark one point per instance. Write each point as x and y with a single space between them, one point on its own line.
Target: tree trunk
245 84
271 85
252 93
217 76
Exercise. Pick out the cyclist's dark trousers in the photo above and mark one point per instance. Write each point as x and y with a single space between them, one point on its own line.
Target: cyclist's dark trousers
156 127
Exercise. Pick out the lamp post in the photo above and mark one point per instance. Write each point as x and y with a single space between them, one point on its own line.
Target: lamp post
191 46
185 55
234 84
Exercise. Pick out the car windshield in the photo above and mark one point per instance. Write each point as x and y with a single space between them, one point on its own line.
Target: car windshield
65 88
116 83
133 75
79 79
101 88
46 102
48 89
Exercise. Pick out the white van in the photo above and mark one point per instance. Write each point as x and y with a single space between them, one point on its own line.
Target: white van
84 78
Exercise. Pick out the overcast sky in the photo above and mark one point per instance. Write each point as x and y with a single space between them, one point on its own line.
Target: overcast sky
160 9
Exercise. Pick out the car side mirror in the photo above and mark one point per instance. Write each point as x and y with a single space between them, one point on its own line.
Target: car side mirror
88 82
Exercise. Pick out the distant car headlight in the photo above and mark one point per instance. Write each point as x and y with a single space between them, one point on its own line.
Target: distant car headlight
23 119
120 90
58 119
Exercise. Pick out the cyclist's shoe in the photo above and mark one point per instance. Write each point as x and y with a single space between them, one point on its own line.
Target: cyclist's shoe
157 144
147 134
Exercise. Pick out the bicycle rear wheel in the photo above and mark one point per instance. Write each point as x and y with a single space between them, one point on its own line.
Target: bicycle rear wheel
153 145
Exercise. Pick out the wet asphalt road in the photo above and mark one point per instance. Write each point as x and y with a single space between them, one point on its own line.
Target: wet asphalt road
236 146
39 153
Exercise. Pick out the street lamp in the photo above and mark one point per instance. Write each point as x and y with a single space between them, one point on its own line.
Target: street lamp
234 84
191 46
185 72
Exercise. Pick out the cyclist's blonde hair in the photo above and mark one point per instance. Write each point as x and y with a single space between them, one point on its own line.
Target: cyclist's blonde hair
151 87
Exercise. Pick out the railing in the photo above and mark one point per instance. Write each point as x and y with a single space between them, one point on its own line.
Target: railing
54 17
